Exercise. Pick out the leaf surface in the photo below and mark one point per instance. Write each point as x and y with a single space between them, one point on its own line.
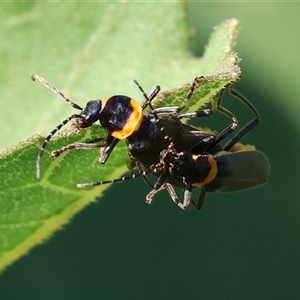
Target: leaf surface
95 46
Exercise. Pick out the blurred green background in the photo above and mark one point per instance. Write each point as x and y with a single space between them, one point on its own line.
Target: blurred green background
242 245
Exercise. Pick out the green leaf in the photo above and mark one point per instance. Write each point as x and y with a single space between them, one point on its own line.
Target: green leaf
113 43
219 66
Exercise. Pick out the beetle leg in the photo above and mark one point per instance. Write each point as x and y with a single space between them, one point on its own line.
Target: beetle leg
171 191
187 197
201 199
140 167
86 146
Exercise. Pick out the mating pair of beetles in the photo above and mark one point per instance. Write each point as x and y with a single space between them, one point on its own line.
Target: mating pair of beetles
159 143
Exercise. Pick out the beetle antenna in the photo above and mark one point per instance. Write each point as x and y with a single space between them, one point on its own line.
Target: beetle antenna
148 98
54 90
90 184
